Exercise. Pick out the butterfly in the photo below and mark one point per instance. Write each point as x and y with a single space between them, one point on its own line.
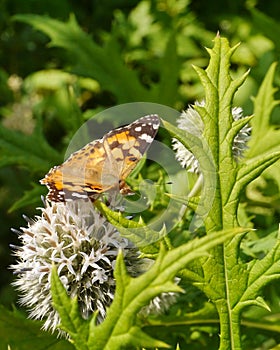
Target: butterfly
102 165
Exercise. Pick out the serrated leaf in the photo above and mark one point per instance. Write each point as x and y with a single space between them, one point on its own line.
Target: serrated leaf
121 326
259 301
31 151
203 154
29 197
133 293
221 270
68 309
237 126
265 270
136 337
137 232
265 137
90 59
220 130
24 334
249 171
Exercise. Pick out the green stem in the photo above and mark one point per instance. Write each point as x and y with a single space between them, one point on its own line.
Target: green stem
225 341
230 337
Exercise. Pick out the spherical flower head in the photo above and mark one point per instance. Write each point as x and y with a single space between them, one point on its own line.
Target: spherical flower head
83 246
191 121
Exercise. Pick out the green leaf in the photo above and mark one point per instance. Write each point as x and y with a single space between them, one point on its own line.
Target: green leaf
185 200
20 333
90 59
266 25
252 169
263 324
237 125
230 284
203 154
261 273
133 293
31 151
60 95
139 233
169 74
121 326
219 274
265 137
30 197
68 309
252 277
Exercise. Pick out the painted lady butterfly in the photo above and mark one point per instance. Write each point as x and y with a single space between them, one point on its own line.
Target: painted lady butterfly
102 165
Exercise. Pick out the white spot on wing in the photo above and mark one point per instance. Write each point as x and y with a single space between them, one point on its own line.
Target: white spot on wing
78 195
138 128
146 138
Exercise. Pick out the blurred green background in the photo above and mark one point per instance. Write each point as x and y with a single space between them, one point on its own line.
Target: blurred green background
107 53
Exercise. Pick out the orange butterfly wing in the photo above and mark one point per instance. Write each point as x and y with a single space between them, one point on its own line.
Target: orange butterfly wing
103 164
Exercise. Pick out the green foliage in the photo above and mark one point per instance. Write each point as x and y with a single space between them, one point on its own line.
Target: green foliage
17 332
265 137
237 284
121 327
82 49
147 54
19 149
137 232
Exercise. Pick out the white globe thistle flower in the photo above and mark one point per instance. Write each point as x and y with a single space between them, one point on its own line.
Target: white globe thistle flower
191 121
83 246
